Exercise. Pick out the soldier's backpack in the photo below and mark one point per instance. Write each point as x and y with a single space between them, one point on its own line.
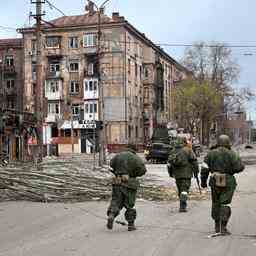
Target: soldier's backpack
177 158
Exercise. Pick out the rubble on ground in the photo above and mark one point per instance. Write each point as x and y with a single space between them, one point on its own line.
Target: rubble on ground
70 180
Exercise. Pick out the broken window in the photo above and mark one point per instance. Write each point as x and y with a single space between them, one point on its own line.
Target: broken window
73 42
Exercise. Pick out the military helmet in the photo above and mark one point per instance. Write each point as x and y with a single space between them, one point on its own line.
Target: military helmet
224 141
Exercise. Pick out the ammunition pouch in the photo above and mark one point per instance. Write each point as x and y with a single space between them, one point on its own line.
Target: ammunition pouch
220 179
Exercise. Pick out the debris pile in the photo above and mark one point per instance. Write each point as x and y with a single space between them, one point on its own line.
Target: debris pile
71 180
55 182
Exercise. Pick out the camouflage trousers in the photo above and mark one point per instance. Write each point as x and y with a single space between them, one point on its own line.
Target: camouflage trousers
183 185
221 198
123 197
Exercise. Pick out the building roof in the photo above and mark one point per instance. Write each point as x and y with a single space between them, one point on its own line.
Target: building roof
11 42
91 19
78 20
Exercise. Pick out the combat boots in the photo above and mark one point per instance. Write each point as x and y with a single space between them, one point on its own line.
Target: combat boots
131 226
183 201
110 221
183 206
223 229
217 226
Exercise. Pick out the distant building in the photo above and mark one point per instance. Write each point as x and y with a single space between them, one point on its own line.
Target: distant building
136 81
238 127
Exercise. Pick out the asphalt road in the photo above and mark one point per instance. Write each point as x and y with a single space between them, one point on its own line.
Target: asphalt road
33 229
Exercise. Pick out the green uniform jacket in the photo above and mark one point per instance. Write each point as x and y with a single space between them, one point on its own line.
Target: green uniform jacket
185 163
128 163
223 160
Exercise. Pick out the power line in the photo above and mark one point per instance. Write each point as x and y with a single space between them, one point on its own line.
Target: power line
208 45
225 45
52 6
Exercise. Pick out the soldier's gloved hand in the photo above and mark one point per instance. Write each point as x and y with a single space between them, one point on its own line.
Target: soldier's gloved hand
125 178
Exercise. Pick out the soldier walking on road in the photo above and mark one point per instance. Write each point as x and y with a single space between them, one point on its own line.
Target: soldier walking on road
126 166
182 165
222 163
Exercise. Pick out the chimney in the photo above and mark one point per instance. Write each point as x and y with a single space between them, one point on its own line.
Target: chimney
102 10
115 16
90 8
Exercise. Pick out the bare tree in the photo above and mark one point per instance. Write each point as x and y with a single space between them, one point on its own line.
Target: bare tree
212 65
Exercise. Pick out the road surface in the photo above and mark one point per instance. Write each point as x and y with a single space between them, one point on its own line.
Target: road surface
34 229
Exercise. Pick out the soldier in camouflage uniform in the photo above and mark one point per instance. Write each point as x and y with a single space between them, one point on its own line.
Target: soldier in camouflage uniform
182 165
126 166
222 163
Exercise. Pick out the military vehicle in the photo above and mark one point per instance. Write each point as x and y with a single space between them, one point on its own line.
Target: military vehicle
157 151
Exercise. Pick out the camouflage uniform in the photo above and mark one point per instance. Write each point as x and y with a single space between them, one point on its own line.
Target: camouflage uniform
223 163
183 163
126 166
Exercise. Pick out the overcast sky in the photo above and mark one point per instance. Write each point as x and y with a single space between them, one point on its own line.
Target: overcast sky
167 21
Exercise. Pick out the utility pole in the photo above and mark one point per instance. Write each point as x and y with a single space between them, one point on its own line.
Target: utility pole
102 157
2 96
101 96
39 81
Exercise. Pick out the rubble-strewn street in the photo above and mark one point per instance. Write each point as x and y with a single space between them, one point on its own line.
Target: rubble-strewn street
75 179
77 229
30 228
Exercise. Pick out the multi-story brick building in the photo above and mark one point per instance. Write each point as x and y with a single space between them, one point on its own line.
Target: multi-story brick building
11 91
136 78
15 123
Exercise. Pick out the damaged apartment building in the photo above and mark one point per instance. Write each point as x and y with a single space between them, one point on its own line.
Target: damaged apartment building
136 78
14 122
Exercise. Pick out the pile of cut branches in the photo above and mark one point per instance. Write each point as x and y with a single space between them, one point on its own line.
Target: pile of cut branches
56 183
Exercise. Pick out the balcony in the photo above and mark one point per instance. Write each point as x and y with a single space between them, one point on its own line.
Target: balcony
54 95
51 118
90 73
9 70
91 116
91 90
53 52
53 89
53 74
10 92
90 50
